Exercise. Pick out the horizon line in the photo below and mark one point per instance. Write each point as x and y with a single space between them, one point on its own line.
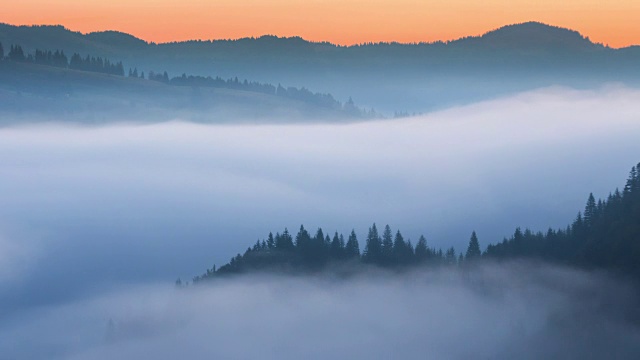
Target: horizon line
254 37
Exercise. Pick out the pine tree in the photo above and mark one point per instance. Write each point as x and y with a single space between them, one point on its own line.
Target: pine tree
16 53
422 251
590 211
402 251
450 256
473 250
302 239
387 245
284 241
352 249
1 52
633 174
336 248
270 242
373 247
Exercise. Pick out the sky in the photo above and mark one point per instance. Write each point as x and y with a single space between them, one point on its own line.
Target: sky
614 22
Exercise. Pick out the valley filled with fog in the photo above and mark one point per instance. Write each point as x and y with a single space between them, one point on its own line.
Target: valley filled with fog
98 221
522 311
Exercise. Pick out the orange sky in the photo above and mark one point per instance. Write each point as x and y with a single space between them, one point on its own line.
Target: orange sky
612 22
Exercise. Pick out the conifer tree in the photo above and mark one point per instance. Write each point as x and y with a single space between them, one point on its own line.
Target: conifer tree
336 248
16 53
590 211
473 250
302 239
422 251
450 256
373 247
387 245
284 241
270 242
352 249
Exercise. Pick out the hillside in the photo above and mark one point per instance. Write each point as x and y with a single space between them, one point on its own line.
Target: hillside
31 92
385 76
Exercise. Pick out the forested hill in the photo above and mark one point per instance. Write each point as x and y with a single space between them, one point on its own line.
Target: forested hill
51 85
605 236
530 40
386 76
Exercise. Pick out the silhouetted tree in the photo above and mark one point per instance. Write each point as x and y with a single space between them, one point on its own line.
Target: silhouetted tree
422 251
387 246
590 210
450 256
337 246
373 247
402 251
284 241
16 53
270 242
352 249
473 250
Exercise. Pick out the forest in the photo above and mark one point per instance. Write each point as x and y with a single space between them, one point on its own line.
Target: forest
606 235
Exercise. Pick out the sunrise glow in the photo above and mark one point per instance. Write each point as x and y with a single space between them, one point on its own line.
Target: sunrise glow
340 21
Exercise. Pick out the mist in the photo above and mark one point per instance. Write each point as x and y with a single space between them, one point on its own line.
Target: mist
90 209
524 311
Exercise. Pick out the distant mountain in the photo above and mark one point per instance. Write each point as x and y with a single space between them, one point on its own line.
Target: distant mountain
115 39
384 76
534 35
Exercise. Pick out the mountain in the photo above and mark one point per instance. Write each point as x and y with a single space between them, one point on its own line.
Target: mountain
536 36
385 76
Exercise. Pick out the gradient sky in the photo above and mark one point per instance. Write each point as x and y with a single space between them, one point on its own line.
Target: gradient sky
612 22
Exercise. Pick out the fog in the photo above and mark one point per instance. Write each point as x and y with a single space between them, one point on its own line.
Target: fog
89 209
522 311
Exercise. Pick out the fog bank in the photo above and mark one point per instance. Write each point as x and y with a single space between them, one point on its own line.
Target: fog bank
88 208
522 311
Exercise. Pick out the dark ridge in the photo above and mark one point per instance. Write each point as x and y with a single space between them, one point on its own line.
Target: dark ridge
537 34
115 38
532 35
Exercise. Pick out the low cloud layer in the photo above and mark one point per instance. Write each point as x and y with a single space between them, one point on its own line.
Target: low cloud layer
514 311
103 206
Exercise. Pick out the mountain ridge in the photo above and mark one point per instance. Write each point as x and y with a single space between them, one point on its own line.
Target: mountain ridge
389 77
523 29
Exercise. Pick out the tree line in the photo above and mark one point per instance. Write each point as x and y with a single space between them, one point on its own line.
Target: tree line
302 94
58 58
605 235
305 252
